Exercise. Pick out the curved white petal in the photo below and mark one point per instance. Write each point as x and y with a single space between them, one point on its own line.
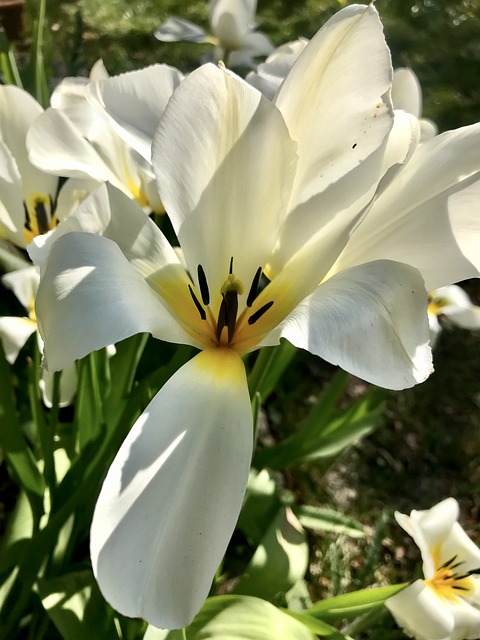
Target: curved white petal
256 44
172 496
422 614
230 21
175 29
270 74
24 284
371 321
428 216
58 147
135 102
14 333
333 100
12 213
90 296
224 164
68 386
19 110
406 91
108 212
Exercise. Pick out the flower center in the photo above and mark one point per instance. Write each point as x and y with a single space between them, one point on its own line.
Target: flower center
449 583
224 328
38 216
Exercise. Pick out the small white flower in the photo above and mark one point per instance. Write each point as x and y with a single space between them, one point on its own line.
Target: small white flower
445 604
236 41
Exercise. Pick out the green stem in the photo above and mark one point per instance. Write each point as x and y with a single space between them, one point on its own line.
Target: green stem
45 435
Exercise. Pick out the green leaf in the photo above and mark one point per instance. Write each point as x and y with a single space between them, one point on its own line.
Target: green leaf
8 63
269 367
327 430
14 445
76 607
318 626
260 505
351 605
279 561
241 618
320 519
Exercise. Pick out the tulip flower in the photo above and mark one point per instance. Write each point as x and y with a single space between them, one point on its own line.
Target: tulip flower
454 304
445 604
31 202
234 36
266 198
72 138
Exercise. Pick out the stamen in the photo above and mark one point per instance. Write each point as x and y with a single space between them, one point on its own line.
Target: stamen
258 314
230 271
252 294
448 562
474 572
42 217
202 283
200 309
456 586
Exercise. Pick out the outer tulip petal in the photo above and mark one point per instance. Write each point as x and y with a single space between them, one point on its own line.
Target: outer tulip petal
57 146
435 195
12 213
135 102
233 191
24 284
89 281
172 496
175 29
333 99
422 614
14 333
19 110
406 92
371 321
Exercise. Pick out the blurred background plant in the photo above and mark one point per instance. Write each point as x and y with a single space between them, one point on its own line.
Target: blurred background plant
335 456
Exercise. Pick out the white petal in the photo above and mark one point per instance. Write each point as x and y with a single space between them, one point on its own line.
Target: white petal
14 333
24 284
271 73
68 386
422 614
175 29
90 296
19 110
58 147
333 99
256 44
371 321
171 498
429 214
230 21
135 102
108 212
12 213
224 164
406 92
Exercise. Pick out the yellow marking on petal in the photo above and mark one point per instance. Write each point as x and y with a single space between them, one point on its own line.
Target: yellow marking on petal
224 364
436 304
137 191
449 581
